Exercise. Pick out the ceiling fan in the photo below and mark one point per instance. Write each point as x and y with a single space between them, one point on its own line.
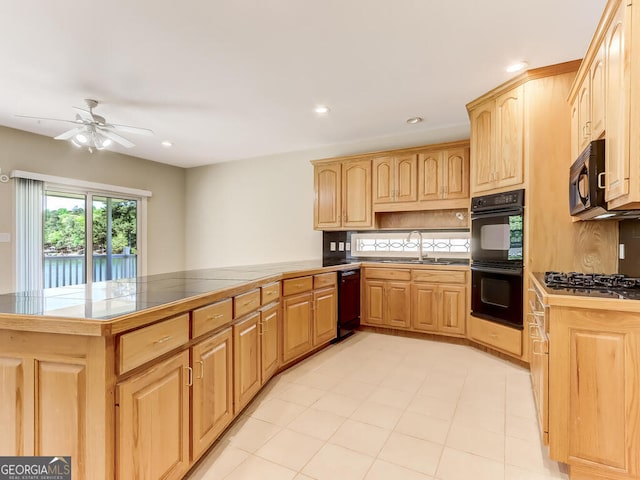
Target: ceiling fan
93 131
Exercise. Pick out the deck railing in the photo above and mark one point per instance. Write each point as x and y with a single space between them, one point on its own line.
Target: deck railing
61 270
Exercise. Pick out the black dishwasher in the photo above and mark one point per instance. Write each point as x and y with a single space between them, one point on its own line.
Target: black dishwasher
348 302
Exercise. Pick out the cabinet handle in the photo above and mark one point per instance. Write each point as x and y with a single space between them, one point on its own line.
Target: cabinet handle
201 363
245 304
189 376
215 317
493 335
261 329
162 340
586 130
600 179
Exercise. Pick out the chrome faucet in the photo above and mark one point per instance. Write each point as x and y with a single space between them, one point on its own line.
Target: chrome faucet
420 254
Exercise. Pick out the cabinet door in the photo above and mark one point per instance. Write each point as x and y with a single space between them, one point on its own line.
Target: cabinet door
328 191
383 180
325 315
430 176
297 336
509 160
356 194
455 173
453 309
598 93
212 394
374 302
269 331
575 130
617 84
424 307
153 422
12 413
483 146
398 299
584 114
246 360
406 178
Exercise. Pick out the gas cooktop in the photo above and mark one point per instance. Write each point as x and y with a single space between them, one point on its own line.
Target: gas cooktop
594 284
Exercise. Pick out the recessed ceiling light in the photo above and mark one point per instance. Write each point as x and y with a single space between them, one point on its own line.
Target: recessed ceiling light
321 109
516 67
166 144
414 120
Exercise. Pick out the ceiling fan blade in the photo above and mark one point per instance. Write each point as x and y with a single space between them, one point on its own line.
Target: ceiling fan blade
129 129
85 114
47 119
115 137
70 133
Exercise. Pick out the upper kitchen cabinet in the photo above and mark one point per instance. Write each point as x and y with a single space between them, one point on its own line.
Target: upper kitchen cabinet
605 102
395 179
342 195
497 140
443 174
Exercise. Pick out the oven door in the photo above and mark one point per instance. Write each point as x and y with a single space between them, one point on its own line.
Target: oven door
496 295
497 236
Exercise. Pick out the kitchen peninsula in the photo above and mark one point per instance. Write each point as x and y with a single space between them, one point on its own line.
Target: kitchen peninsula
101 372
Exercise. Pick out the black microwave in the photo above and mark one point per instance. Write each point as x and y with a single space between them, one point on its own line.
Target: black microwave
586 183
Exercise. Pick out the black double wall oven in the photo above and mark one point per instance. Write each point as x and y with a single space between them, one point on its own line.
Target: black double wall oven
497 257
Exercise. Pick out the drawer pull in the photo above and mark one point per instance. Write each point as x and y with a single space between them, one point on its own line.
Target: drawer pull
164 339
201 363
215 317
493 335
247 303
189 376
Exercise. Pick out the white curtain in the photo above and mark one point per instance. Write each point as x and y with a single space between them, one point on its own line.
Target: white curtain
29 218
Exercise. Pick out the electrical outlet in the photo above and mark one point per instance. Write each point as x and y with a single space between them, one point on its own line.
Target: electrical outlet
341 246
332 246
621 251
348 246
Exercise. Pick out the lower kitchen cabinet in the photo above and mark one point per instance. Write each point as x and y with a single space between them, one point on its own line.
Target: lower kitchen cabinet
536 328
507 339
594 400
387 304
439 308
153 421
269 341
325 315
212 394
297 315
247 360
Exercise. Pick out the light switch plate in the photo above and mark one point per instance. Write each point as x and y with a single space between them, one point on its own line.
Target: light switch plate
621 251
348 246
5 237
341 246
332 246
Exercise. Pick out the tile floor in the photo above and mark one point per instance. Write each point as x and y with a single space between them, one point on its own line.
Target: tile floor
379 407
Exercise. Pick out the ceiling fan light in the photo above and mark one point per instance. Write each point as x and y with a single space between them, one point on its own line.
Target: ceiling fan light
82 138
106 142
76 143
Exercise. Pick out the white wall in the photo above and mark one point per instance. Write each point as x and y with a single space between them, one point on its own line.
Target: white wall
261 210
35 153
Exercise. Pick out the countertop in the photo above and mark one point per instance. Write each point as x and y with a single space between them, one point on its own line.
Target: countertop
110 307
618 300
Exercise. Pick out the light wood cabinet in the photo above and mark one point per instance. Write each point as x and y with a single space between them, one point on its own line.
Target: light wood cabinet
395 179
497 141
269 344
443 175
309 319
537 325
342 195
212 393
398 304
594 399
387 297
246 360
496 336
153 421
325 315
439 307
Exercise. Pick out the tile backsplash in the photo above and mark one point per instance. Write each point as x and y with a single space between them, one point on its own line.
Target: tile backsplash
630 238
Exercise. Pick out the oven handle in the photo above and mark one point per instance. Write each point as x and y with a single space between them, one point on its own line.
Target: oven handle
497 213
516 272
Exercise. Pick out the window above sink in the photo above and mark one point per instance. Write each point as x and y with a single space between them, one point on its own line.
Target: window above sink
396 245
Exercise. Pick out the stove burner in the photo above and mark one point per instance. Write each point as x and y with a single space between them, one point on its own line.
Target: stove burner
590 280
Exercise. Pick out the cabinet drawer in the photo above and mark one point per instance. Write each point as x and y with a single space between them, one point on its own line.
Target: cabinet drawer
325 280
438 276
140 346
496 335
270 293
297 285
212 316
246 303
387 273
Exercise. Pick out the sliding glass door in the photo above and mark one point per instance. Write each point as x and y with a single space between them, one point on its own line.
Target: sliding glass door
109 227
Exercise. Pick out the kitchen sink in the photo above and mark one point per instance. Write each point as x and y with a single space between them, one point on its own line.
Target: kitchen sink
427 261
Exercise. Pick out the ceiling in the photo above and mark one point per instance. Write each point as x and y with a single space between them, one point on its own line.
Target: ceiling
231 79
